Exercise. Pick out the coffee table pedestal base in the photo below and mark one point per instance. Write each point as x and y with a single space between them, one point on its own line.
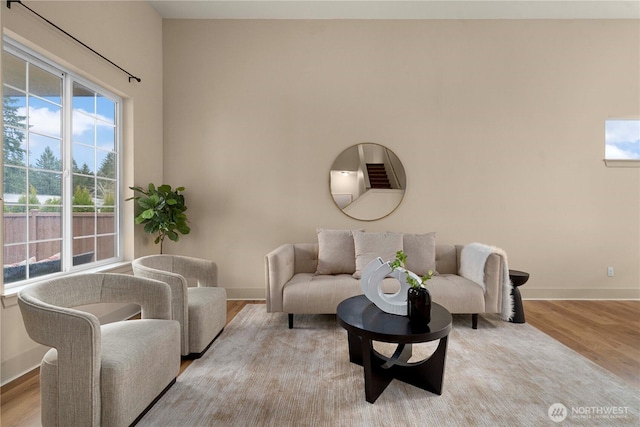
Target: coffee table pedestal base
379 370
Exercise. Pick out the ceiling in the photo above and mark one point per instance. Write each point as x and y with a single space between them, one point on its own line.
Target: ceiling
397 9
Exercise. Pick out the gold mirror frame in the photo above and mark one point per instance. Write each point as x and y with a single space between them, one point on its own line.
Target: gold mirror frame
367 181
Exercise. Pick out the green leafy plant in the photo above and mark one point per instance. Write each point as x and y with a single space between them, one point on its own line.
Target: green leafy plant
162 212
82 197
31 200
108 203
400 261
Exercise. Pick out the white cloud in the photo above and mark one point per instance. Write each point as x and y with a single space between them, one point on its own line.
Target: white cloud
613 152
617 131
622 139
43 120
81 123
49 122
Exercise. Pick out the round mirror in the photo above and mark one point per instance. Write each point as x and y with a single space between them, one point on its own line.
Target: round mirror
367 181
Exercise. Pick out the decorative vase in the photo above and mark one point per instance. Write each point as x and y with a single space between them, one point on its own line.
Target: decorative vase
419 305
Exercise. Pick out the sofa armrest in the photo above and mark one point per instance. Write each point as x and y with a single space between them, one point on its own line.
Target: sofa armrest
279 269
493 280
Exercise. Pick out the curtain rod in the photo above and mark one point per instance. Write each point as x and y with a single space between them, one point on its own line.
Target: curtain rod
131 76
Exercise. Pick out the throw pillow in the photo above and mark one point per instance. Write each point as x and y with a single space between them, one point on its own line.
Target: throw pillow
336 253
369 246
421 252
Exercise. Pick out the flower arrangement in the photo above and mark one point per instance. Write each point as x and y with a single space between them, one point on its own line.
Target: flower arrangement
400 261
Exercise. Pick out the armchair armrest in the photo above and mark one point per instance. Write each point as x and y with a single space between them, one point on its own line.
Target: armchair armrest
153 296
279 269
178 286
78 358
203 270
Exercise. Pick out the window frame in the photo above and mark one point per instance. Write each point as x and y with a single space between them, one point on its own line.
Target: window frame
70 78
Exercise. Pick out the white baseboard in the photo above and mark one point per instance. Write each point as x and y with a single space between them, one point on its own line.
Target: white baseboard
15 367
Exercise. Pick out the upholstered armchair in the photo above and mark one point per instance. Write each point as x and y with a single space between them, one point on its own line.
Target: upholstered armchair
97 375
200 309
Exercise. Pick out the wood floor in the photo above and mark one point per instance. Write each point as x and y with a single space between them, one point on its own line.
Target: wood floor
606 332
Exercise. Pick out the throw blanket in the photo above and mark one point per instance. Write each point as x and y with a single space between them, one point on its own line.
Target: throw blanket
472 260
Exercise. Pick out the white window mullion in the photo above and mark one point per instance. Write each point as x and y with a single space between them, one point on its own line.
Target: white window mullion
119 194
67 181
27 163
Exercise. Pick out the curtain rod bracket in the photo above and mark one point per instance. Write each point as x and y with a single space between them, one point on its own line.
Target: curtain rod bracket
131 76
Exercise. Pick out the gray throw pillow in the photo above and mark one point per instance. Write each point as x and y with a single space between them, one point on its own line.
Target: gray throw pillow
420 250
336 253
369 246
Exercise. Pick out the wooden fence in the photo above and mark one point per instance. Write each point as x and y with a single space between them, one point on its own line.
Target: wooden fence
48 226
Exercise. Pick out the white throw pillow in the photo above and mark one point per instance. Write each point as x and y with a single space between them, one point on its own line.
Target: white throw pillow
369 246
336 253
420 250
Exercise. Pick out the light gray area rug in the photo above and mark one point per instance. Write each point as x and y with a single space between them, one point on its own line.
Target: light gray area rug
260 373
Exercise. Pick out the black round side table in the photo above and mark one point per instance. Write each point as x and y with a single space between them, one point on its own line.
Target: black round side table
518 278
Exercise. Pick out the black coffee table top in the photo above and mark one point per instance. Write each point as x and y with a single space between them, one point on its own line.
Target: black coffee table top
361 316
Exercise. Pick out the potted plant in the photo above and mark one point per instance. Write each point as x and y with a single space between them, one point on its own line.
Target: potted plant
418 297
162 212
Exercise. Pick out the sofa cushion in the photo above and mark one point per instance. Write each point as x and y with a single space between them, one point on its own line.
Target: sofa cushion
369 246
336 253
421 252
308 293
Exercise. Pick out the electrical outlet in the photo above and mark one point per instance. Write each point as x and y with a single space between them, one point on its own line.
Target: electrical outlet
610 271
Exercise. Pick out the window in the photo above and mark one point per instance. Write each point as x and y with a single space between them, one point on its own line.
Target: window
60 161
622 142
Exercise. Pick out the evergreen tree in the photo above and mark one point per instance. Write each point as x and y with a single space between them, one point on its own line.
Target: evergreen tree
105 188
108 166
79 180
12 152
47 182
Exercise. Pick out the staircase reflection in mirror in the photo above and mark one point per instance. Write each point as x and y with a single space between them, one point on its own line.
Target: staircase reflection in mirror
367 181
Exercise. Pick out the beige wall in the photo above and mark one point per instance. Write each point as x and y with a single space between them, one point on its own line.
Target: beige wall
499 124
130 34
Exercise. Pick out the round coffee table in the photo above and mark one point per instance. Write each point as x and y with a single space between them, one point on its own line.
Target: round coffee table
366 323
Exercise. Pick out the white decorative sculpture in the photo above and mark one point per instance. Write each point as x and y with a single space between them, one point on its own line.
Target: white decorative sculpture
371 283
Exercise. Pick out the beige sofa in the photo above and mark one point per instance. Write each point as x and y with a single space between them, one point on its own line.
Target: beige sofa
294 286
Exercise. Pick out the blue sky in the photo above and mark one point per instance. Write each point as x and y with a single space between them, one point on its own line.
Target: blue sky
90 129
622 139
